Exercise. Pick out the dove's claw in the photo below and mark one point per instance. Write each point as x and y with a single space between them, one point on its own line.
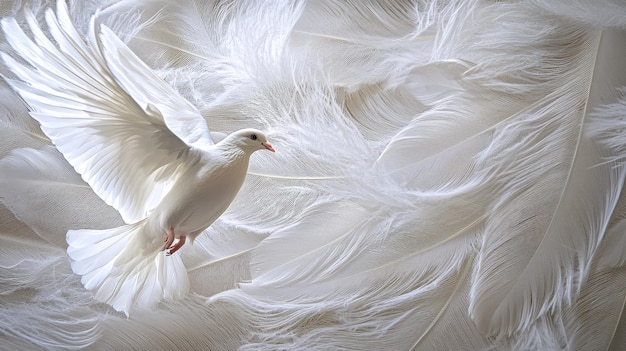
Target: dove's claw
169 239
177 246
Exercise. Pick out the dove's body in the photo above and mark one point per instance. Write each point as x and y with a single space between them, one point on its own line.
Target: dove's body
142 148
202 194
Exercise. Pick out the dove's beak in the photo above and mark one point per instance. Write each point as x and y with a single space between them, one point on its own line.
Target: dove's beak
268 146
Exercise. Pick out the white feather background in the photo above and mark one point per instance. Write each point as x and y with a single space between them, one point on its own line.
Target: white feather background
448 176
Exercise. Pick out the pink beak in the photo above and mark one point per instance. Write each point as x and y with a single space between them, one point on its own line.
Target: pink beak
268 146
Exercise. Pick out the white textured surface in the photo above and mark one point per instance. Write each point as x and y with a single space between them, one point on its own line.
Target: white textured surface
448 175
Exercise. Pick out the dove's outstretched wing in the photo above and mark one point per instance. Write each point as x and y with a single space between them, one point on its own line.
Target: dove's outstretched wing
118 124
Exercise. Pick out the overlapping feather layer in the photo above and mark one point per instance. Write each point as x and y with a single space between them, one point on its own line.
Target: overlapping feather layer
448 175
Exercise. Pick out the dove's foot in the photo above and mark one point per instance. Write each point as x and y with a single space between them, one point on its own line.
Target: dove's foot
169 239
178 245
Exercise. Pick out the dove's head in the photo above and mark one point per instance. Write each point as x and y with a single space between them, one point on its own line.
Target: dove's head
251 140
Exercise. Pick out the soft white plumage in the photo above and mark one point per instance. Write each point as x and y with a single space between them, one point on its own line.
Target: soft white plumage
450 178
142 148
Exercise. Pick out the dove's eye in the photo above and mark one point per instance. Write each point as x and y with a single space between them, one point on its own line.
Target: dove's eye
253 137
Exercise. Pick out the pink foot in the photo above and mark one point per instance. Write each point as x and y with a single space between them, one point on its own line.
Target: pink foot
169 238
177 246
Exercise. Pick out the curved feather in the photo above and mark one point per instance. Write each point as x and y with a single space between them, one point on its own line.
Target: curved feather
581 192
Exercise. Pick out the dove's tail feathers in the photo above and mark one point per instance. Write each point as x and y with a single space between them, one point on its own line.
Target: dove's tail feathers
115 266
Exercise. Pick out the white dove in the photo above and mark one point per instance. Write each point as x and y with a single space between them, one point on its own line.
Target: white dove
141 146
